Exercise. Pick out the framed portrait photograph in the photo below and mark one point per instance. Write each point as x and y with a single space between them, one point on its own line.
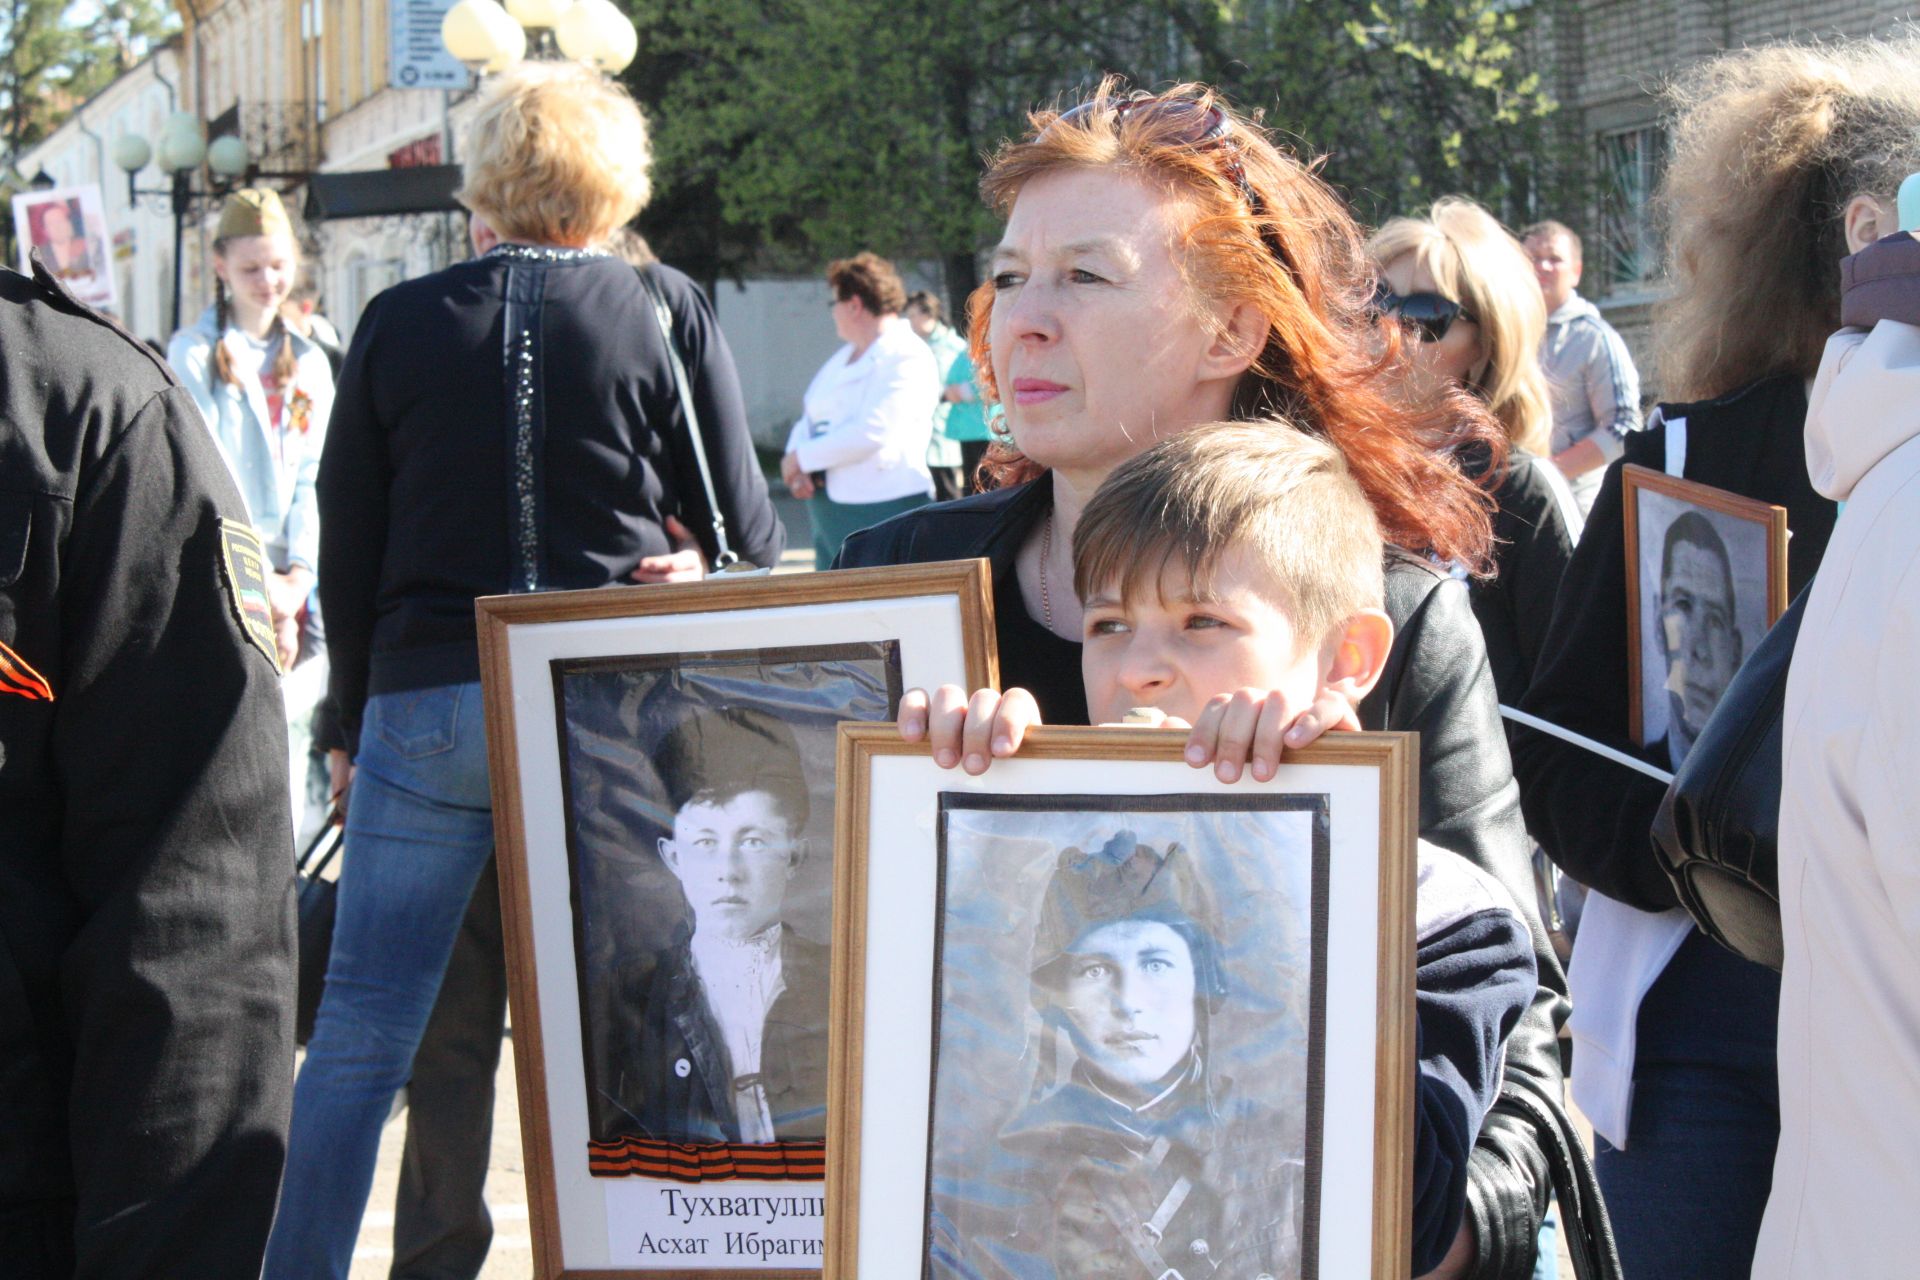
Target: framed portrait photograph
69 228
1084 1012
1706 578
663 770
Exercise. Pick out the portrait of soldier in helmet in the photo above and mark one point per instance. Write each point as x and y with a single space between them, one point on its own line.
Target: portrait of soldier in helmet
1160 1129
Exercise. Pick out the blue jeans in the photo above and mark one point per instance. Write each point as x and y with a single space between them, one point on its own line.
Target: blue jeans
1687 1193
419 832
1546 1262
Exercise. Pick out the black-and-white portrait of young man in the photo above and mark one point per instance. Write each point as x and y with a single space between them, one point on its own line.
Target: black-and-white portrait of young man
725 1038
699 798
1703 608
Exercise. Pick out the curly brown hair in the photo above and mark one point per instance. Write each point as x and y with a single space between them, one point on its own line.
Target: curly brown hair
1769 147
1295 255
870 278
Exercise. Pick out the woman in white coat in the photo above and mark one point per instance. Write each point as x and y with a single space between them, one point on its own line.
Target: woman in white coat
858 454
1844 1178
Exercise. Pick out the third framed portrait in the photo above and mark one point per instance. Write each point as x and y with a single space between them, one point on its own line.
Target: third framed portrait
663 763
67 227
1706 578
1098 1014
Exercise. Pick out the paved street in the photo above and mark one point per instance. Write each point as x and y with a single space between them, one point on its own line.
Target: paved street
512 1256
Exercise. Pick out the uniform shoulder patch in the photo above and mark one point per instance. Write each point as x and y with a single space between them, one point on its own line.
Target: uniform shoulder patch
243 566
21 680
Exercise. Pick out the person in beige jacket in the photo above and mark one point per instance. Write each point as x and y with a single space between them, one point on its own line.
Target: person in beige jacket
1845 1179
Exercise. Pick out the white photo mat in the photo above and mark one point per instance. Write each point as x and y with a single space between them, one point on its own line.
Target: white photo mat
896 977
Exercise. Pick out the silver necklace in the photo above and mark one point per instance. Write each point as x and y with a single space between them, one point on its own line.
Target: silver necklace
1046 556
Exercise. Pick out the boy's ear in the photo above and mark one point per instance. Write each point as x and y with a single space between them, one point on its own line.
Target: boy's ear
1359 654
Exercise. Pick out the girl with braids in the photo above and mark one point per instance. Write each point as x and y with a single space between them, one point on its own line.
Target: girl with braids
1785 161
1165 266
265 392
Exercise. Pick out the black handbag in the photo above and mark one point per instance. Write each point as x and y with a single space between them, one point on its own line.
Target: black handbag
316 899
1718 830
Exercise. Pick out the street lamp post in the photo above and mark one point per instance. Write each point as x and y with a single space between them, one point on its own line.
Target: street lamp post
490 38
182 149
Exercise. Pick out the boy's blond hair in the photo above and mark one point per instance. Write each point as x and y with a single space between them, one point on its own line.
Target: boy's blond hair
1284 496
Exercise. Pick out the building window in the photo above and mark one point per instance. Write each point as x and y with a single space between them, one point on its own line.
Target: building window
1631 164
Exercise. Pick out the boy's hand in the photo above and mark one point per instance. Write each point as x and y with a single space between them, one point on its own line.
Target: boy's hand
968 732
1249 728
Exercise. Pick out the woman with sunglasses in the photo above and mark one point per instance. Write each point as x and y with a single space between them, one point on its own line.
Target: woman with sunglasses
1465 295
1165 265
1785 161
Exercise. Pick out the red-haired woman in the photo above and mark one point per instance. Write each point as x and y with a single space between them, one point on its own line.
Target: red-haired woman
1165 265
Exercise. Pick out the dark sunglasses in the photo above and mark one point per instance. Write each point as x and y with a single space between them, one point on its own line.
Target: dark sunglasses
1427 314
1202 126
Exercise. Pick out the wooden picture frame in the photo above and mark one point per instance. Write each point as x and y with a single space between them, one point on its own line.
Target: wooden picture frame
942 935
1738 598
611 716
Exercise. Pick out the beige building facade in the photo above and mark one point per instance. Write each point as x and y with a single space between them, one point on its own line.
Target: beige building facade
140 228
305 83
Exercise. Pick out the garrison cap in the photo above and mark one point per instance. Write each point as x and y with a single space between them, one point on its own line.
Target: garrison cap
253 211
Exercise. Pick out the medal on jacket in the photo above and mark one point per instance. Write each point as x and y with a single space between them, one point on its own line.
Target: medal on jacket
299 411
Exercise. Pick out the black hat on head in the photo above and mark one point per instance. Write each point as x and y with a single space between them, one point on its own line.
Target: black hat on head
1125 880
716 753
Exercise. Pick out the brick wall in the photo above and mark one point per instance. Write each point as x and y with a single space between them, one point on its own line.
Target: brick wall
1614 57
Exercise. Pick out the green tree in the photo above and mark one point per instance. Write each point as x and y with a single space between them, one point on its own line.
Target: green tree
790 131
55 54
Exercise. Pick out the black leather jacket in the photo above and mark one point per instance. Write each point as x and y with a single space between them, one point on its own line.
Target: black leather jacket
1437 683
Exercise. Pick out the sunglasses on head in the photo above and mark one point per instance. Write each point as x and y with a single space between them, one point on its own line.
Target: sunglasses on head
1427 314
1201 126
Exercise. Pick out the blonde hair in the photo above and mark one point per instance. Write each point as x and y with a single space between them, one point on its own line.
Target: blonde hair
1293 253
1284 495
556 154
284 365
1769 146
1475 262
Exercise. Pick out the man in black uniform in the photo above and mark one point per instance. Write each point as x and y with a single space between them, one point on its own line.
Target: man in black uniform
146 914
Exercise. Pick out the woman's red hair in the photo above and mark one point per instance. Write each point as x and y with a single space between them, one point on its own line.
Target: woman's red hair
1301 262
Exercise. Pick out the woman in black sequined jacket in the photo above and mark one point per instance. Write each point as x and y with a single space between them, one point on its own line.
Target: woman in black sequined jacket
509 424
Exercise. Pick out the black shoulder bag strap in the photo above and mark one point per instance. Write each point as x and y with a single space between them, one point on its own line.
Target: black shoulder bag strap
724 556
1583 1213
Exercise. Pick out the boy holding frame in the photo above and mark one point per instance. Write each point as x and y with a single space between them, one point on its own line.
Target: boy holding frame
1229 576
